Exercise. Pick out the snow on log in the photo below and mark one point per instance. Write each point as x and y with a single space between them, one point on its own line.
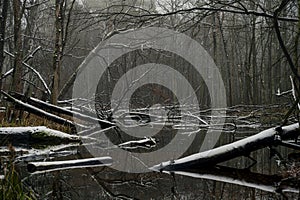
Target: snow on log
244 147
40 112
43 156
270 183
53 108
17 151
38 135
49 152
68 164
146 143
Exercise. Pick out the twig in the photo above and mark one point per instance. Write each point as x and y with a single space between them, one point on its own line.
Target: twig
294 91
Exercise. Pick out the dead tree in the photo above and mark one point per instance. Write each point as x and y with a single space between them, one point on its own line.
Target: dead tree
266 138
3 17
35 135
40 112
18 9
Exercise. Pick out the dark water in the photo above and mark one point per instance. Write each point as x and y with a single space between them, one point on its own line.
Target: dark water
107 183
235 179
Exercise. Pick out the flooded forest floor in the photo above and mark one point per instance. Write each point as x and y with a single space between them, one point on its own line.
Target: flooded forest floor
239 178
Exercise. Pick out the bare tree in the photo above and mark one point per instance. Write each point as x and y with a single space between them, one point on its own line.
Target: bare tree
62 21
3 17
18 9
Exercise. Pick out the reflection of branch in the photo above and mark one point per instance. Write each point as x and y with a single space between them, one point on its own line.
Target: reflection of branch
106 189
198 118
42 167
270 183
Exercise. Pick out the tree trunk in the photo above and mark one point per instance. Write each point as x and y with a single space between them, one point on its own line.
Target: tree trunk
40 135
3 17
57 57
253 60
228 64
266 138
17 84
247 91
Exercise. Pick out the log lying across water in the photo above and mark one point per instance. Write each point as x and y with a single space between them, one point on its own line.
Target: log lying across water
56 109
40 112
48 153
68 164
269 137
35 135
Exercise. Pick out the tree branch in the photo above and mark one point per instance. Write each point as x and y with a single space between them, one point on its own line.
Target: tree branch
204 8
280 40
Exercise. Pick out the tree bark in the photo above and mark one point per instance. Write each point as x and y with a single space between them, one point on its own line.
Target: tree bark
228 64
17 84
253 56
69 83
57 57
3 17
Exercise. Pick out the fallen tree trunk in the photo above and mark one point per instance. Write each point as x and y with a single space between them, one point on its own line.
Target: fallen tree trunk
15 152
40 112
40 135
270 183
48 153
244 147
53 108
69 164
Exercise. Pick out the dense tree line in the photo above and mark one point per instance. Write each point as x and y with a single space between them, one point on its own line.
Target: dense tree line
255 44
